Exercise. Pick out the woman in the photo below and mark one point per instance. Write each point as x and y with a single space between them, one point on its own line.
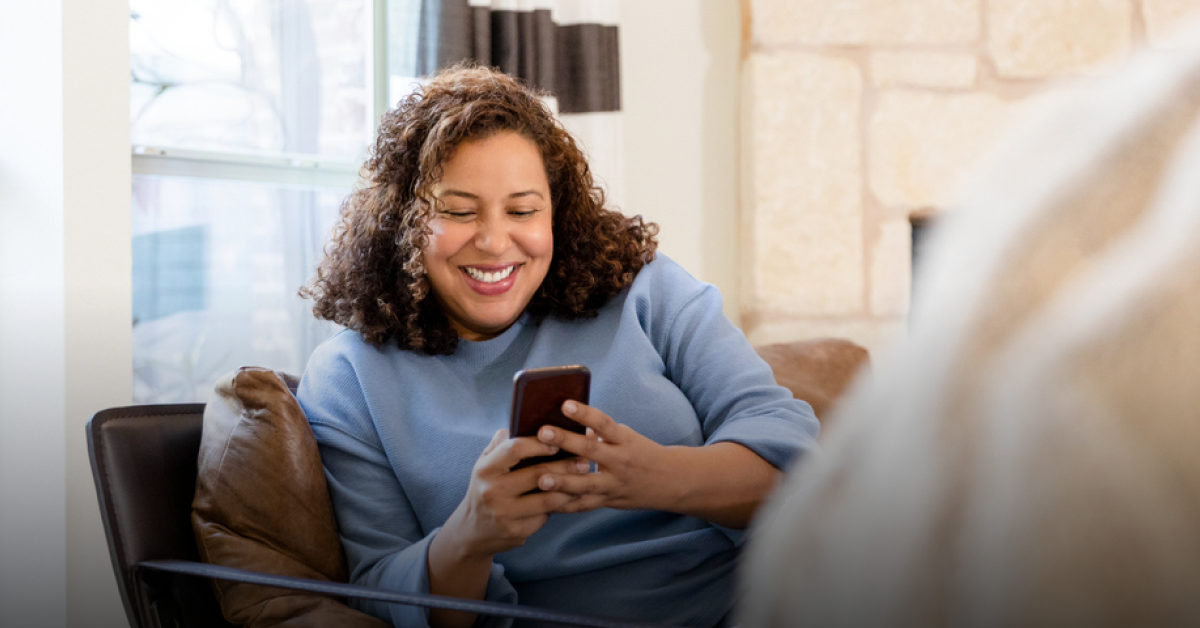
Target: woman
479 246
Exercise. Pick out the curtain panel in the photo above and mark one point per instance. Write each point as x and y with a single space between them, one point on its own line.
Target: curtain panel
568 48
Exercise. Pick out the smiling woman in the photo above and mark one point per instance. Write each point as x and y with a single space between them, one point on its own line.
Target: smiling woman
492 237
375 278
479 246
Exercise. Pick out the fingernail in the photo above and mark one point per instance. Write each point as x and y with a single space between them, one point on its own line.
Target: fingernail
583 466
546 434
570 407
546 483
553 449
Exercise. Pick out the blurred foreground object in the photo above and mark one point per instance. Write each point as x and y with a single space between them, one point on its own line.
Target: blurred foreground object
1029 457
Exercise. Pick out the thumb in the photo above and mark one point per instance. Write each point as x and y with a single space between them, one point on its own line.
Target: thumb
497 438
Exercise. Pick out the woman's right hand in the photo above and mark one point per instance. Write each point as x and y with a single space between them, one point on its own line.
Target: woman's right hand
499 510
497 514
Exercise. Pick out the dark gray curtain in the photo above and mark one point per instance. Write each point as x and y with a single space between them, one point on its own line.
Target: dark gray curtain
578 63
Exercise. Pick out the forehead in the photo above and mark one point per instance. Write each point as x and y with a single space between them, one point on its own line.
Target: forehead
498 160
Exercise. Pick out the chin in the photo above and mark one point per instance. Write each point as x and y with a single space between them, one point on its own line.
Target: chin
494 325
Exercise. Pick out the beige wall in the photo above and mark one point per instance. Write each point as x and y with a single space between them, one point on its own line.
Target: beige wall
679 77
65 299
857 113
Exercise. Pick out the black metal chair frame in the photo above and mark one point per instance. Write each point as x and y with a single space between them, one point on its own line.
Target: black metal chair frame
144 465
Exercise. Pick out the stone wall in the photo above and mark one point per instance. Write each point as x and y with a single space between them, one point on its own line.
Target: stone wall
857 113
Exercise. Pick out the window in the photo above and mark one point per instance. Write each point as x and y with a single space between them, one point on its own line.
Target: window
249 121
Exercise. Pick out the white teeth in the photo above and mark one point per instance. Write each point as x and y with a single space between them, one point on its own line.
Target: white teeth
486 277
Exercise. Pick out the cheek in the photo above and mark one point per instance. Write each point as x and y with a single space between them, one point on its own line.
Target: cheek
441 243
539 242
429 255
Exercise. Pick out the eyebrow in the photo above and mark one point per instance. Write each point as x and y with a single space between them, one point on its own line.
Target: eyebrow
475 197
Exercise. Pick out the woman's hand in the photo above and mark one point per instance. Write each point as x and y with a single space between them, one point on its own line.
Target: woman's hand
723 482
630 473
497 514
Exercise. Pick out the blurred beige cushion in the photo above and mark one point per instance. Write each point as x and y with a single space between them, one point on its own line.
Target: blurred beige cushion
1029 458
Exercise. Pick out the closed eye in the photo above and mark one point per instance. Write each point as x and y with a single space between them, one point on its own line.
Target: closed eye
457 214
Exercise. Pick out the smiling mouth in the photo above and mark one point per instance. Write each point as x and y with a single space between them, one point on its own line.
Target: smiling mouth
484 276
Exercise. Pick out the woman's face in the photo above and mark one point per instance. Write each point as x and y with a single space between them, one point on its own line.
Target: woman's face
492 235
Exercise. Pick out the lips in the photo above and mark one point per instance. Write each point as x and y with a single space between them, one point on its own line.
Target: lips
491 280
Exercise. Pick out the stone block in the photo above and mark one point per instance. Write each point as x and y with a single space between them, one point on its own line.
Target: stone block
776 22
923 69
921 144
891 269
1164 17
803 225
1039 38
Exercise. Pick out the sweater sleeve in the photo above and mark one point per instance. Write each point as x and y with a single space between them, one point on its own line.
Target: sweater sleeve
731 388
382 537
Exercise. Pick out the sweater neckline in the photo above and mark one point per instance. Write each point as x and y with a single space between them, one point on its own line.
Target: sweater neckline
478 354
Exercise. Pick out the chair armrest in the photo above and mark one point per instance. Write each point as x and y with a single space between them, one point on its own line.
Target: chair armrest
499 609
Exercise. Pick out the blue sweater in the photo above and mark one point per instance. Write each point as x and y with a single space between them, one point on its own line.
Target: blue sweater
399 433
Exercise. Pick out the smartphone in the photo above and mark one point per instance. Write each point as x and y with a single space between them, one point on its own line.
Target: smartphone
538 395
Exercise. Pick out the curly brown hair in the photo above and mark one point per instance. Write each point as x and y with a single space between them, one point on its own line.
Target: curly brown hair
372 279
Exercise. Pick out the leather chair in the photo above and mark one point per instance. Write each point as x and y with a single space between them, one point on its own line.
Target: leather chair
144 465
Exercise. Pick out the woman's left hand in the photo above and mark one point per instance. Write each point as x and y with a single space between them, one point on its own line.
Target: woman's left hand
723 482
629 466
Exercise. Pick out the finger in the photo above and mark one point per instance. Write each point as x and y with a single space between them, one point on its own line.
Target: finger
513 450
535 504
582 503
487 459
526 479
602 425
590 484
583 446
497 438
573 466
529 447
582 466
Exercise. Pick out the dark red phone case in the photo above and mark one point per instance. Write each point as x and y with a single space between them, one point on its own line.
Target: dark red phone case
538 395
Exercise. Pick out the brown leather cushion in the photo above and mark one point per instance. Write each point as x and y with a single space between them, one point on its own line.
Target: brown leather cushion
262 504
817 371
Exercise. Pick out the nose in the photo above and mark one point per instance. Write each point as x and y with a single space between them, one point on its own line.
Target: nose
492 237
